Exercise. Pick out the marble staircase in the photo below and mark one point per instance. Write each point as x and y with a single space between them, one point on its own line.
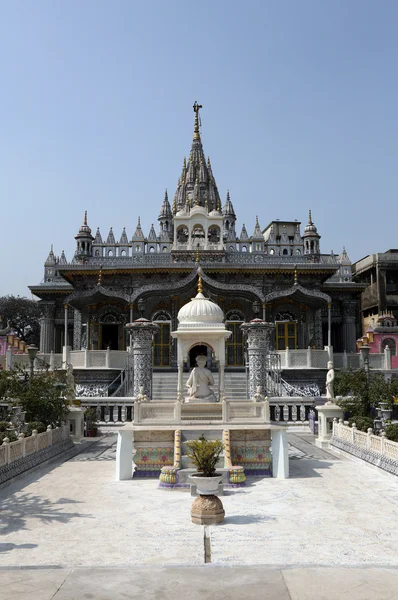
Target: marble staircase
165 385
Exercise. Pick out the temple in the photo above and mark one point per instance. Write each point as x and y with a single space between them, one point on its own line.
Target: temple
277 273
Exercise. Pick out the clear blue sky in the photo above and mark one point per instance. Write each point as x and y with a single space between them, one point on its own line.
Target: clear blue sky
300 102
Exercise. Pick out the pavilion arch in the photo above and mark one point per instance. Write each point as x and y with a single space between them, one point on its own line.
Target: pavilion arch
182 234
214 234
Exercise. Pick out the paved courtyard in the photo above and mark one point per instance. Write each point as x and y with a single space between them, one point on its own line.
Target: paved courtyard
70 527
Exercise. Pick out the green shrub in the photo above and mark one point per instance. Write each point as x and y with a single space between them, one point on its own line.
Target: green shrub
362 423
3 425
35 425
392 432
205 454
7 434
91 416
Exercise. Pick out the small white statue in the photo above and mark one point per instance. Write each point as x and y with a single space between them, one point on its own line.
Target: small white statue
141 396
258 396
199 381
329 383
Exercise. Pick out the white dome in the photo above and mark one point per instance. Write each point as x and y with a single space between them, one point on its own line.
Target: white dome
200 310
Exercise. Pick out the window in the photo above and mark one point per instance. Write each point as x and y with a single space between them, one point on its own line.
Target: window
164 249
390 343
110 252
272 251
162 340
123 253
138 248
286 335
284 252
151 249
244 248
235 345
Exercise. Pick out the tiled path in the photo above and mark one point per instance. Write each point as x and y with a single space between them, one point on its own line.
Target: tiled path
83 533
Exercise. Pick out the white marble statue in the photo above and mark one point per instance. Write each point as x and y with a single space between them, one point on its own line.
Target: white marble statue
199 381
141 396
329 383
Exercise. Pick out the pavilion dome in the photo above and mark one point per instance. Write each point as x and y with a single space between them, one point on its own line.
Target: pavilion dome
200 310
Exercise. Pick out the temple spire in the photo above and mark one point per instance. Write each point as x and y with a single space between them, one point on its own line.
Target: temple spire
196 108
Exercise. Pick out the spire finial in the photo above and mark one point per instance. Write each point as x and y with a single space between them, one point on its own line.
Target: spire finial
196 108
139 222
309 217
85 217
197 259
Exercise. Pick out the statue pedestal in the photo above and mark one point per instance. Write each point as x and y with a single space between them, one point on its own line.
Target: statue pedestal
326 414
205 400
75 421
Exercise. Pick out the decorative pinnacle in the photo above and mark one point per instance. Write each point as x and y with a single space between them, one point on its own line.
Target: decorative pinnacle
309 217
197 255
99 282
85 217
139 222
295 275
196 108
200 287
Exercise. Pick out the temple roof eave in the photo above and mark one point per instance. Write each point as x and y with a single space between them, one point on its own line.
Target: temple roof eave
304 295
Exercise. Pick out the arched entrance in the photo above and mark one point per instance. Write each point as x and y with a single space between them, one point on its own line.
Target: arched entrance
110 330
195 351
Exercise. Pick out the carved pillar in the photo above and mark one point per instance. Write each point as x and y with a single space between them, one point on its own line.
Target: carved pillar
318 329
349 329
174 325
47 327
258 346
77 329
142 332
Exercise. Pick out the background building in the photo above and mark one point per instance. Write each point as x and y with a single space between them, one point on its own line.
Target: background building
277 273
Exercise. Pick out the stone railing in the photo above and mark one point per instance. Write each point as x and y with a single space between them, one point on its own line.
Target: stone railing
112 410
25 446
318 359
27 452
306 358
377 450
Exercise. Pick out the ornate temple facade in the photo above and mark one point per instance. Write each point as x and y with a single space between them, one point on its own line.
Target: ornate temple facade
277 273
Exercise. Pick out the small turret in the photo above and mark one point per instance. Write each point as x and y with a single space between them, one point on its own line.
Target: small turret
257 238
165 217
84 242
229 217
311 237
62 260
49 266
244 241
138 239
345 271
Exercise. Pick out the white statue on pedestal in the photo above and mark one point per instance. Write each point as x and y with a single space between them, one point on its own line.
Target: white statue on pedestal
199 381
329 383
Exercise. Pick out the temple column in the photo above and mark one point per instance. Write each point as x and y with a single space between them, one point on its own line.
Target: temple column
349 328
66 348
221 381
329 325
77 329
47 327
142 332
258 346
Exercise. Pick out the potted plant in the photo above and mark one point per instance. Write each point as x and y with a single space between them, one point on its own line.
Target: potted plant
204 455
91 420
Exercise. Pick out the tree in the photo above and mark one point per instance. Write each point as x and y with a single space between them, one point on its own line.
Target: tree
24 317
40 396
361 395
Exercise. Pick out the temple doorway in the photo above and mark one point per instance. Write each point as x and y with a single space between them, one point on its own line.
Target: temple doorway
195 351
110 336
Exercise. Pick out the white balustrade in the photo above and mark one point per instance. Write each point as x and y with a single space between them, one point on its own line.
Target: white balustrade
25 446
377 444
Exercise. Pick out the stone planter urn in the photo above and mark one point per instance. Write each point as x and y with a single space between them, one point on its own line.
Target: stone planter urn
206 486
